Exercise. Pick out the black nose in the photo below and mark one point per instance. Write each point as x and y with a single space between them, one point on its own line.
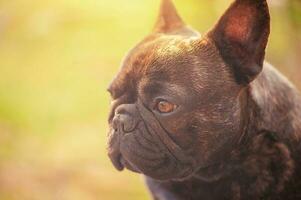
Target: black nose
126 118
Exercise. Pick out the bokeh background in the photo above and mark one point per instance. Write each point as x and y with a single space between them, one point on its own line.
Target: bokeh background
56 59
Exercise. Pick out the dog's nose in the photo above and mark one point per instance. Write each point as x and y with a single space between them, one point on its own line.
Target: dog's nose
126 118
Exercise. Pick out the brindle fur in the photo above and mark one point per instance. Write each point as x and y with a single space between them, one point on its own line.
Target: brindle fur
237 135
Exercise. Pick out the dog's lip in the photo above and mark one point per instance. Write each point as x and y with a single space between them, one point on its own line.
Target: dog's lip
115 157
129 166
120 163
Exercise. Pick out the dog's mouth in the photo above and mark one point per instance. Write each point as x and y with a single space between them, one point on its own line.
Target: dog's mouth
139 152
120 163
129 166
209 173
116 156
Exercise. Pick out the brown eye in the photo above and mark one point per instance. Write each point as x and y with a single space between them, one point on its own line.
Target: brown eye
164 106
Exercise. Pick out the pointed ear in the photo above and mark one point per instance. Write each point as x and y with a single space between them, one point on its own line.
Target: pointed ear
168 20
241 35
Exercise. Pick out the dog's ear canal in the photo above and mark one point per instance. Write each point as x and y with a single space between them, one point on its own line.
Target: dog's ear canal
241 35
168 19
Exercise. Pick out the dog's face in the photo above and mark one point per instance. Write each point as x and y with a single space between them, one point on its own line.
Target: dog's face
177 108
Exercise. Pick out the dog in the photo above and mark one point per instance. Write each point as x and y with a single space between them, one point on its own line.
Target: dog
204 116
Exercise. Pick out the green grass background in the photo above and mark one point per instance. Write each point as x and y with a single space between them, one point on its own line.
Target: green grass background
56 59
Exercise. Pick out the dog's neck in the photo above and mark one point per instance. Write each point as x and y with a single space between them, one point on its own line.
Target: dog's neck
270 104
277 106
267 113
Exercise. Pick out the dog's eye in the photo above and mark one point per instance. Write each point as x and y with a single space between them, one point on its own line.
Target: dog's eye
164 106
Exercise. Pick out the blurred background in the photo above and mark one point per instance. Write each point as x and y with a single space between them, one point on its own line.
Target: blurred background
56 59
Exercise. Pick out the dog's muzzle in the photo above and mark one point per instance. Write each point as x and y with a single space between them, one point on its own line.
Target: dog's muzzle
138 142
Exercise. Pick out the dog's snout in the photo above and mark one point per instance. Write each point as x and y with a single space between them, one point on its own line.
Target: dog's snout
125 119
122 109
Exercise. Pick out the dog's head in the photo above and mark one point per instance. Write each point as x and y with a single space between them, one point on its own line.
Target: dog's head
176 102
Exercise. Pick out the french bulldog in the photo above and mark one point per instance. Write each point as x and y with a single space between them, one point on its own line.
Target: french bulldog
204 116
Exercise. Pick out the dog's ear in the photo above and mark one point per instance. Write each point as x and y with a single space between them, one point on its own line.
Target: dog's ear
241 35
168 19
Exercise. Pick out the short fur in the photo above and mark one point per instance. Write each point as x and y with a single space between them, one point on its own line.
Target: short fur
236 131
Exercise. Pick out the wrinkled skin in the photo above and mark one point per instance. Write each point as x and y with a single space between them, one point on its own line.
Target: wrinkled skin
229 105
169 144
